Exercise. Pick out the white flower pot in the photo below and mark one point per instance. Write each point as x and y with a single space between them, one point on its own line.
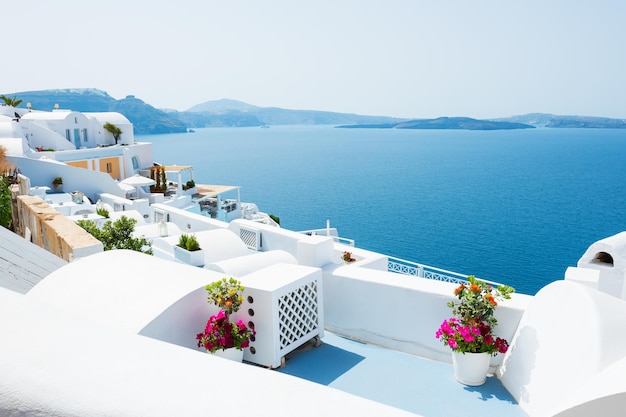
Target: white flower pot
470 368
230 354
194 258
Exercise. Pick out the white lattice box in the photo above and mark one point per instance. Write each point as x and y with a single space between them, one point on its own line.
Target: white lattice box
284 304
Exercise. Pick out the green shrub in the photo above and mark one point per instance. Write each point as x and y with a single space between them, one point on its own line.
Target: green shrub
188 242
275 218
103 212
117 235
5 203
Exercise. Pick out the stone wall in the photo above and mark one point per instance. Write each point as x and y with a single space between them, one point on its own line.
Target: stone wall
39 223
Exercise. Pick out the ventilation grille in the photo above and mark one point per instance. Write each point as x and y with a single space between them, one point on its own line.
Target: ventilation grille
297 314
251 237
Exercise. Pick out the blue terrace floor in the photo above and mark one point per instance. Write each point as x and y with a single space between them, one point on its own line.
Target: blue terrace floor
404 381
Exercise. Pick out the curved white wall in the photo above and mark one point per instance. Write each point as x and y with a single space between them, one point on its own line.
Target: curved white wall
567 340
134 292
59 364
611 275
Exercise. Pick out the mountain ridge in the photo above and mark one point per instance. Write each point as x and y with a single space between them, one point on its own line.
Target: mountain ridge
227 112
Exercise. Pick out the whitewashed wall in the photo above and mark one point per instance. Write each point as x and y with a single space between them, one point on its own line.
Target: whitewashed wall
54 363
570 348
401 312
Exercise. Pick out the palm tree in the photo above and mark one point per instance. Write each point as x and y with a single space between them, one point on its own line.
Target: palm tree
114 130
13 102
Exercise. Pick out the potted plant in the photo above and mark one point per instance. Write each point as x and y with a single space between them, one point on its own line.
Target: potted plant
221 336
469 334
189 185
188 250
101 209
347 257
227 294
57 184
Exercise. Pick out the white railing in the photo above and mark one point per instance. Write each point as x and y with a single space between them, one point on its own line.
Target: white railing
405 267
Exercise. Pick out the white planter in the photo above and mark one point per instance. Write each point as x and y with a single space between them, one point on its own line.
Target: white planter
470 368
195 258
230 354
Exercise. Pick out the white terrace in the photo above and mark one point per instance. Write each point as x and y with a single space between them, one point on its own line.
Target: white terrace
109 313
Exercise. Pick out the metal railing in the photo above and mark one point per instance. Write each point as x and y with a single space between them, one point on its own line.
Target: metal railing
402 266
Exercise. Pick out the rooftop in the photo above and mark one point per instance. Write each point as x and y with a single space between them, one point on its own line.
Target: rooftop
401 380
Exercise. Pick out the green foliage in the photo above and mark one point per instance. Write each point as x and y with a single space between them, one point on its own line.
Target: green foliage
57 181
226 293
163 179
5 202
188 242
13 102
117 235
102 212
478 301
275 218
114 130
182 240
189 184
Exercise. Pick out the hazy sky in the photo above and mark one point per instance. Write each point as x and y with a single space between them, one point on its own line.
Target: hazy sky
405 58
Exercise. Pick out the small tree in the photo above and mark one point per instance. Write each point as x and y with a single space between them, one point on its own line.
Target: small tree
114 130
163 179
117 235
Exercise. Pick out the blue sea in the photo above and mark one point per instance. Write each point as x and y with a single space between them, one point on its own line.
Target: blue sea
516 207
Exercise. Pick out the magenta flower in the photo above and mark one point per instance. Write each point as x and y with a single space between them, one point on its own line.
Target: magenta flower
221 333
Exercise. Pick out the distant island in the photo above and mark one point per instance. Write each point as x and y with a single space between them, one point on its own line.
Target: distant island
147 119
465 123
574 122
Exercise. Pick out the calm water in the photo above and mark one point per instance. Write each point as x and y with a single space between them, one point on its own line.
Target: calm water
512 206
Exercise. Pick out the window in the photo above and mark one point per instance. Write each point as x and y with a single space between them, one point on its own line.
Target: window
75 120
108 167
68 135
135 162
84 135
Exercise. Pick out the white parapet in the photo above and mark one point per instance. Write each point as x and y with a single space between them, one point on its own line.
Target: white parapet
585 276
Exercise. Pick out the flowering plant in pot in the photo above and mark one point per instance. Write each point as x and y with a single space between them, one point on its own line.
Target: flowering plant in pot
470 331
57 184
347 257
220 333
471 328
